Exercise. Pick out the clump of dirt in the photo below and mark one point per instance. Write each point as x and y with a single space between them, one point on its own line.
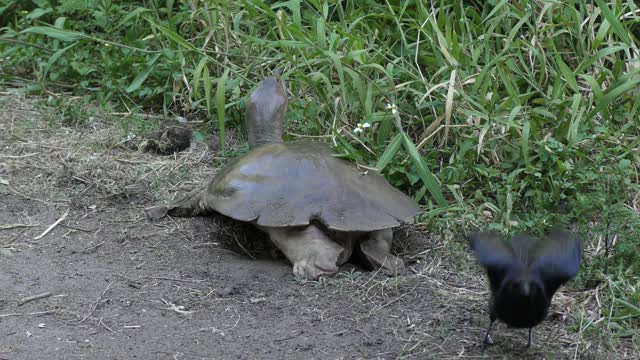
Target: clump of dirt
83 272
169 140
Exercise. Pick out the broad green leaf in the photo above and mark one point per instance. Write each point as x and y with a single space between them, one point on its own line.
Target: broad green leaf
141 77
60 22
368 102
338 64
602 33
566 72
512 115
60 34
544 112
197 136
321 36
197 73
56 56
38 12
624 163
420 193
295 9
594 85
576 117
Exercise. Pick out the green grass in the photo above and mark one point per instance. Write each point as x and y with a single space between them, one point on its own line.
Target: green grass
512 114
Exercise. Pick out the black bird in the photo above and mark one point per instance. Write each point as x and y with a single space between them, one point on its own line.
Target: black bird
524 273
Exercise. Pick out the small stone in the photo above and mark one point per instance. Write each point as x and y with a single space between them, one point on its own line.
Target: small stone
226 291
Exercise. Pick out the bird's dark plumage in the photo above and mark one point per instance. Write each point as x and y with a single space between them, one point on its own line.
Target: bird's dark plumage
525 273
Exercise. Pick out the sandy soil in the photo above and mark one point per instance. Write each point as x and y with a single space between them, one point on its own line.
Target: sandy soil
118 286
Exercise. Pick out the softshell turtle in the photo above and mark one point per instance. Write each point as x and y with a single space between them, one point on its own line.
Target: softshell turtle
316 208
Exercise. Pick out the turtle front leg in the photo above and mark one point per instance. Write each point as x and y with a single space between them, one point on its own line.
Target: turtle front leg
191 204
376 248
310 250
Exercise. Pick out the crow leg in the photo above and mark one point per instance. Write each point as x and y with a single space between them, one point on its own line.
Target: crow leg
529 342
487 337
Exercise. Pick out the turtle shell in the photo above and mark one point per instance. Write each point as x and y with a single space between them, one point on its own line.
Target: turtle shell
292 184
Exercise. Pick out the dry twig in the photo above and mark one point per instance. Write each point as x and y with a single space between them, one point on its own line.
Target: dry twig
95 304
32 298
64 216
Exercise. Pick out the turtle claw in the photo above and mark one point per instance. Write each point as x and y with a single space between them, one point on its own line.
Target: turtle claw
305 270
393 263
311 252
299 270
393 266
156 212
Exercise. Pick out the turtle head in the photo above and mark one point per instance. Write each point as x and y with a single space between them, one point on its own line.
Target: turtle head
266 111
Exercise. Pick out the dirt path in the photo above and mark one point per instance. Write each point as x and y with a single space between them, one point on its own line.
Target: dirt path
122 287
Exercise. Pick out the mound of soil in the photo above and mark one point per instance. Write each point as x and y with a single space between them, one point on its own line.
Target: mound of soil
169 140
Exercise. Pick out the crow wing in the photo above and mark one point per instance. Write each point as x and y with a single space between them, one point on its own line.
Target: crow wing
556 259
495 255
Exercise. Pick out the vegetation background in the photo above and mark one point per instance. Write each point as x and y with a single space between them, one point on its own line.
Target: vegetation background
512 115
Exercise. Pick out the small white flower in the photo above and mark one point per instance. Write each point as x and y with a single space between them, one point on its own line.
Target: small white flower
393 108
360 127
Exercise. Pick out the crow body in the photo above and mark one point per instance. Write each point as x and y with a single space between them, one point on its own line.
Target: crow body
525 273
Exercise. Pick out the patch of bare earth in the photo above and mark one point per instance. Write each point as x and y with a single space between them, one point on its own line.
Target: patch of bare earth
106 283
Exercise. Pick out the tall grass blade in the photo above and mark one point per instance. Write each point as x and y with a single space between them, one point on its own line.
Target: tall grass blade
389 152
220 105
137 82
618 28
60 34
427 177
172 35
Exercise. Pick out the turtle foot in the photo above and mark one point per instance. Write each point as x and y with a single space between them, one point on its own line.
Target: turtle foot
156 212
377 252
191 204
307 270
311 251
